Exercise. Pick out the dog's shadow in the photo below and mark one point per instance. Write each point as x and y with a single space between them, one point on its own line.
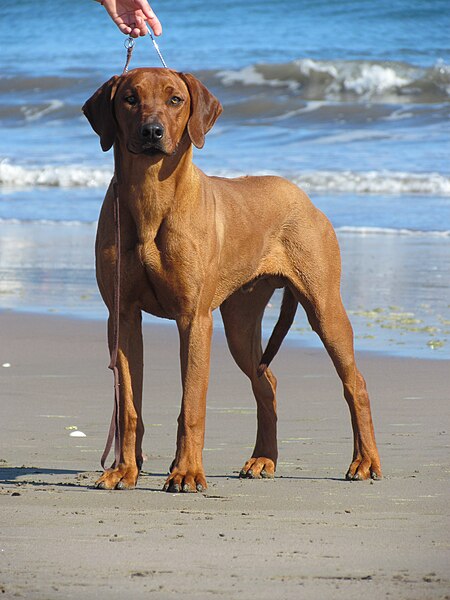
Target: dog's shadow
73 478
22 477
37 476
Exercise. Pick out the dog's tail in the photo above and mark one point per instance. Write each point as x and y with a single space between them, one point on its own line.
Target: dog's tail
287 313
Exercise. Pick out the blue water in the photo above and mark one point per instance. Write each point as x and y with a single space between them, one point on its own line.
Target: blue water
349 99
310 91
68 36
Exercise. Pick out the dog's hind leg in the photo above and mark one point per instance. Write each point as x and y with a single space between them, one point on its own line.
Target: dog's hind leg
130 365
317 287
331 323
242 315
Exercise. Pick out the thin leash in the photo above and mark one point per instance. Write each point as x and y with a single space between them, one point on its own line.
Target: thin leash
158 51
114 428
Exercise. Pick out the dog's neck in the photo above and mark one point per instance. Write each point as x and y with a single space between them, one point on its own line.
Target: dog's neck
134 170
150 186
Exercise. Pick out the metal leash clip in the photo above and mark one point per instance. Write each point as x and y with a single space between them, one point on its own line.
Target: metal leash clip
129 45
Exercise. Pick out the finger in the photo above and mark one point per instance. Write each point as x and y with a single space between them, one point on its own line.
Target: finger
150 16
131 31
135 33
155 24
124 28
139 27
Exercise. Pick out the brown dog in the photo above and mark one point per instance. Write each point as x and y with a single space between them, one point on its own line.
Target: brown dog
192 243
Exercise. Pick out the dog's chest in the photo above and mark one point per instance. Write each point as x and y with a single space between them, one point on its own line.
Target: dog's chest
171 264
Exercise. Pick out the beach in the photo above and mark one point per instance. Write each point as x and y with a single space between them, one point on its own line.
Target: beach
340 99
307 534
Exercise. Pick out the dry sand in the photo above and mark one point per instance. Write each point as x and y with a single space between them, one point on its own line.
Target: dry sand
307 534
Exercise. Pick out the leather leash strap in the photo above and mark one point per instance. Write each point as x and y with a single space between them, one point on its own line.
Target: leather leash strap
129 45
114 428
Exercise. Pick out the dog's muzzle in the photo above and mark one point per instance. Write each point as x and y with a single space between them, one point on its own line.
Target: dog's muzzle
152 138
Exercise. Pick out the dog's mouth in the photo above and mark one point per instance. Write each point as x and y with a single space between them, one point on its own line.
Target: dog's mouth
148 149
153 149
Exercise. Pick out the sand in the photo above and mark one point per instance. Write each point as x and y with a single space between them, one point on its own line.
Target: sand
306 534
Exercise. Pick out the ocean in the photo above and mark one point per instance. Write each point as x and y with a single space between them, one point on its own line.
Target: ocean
350 100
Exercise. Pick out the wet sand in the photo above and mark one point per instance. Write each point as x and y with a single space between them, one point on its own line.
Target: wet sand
306 534
396 288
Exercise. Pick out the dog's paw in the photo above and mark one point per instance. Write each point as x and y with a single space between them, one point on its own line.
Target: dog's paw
258 468
364 468
121 478
185 480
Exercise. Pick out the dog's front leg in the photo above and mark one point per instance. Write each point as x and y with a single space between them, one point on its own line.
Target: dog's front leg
130 365
187 473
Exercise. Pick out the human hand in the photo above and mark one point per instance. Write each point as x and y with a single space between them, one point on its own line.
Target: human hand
133 16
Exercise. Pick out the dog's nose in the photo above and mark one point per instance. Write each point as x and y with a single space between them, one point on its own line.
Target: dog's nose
152 132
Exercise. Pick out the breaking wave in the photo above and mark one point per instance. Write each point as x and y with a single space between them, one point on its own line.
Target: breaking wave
389 231
70 176
370 182
375 182
331 80
318 79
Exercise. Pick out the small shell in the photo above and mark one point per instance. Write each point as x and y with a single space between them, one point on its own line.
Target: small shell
6 365
77 434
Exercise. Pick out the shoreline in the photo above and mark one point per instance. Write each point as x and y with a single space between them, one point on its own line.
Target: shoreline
307 533
395 288
293 340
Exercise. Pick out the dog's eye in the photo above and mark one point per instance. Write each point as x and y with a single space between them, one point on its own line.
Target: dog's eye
131 100
176 100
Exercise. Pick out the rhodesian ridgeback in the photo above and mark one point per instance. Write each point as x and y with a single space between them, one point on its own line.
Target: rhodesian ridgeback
191 243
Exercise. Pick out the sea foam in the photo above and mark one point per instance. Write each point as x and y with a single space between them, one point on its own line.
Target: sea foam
369 182
20 176
375 182
321 79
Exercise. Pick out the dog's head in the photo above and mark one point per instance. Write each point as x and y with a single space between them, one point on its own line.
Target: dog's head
149 110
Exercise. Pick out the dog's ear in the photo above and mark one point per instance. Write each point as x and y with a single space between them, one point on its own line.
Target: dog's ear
99 112
205 108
